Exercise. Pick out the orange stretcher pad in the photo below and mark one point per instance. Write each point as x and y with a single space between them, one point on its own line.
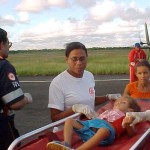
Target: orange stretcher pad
45 135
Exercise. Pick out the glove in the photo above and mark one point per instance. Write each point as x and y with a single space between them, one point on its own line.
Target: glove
113 96
84 109
139 116
29 97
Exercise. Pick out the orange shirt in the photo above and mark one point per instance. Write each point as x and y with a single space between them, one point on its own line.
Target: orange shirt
135 93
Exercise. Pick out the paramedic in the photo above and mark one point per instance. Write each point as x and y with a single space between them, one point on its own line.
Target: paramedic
135 54
73 90
11 95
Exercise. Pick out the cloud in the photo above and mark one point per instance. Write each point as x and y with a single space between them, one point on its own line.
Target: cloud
40 5
104 11
23 17
53 31
3 1
7 20
85 3
102 23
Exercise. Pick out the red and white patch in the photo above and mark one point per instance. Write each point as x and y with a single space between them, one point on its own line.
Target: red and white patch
11 76
91 91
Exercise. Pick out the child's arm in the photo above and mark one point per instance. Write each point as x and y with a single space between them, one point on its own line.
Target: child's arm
130 129
101 134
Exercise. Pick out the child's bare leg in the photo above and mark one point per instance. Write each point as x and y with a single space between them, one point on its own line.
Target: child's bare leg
68 129
101 134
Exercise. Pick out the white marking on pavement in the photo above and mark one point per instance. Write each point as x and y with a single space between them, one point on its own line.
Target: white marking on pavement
95 81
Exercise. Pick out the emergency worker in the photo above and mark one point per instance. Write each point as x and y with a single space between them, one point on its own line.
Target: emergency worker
135 54
72 91
11 95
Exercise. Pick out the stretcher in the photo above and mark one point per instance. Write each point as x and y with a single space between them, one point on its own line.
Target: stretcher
38 139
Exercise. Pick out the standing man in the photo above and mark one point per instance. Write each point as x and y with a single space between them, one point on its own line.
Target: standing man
134 56
11 95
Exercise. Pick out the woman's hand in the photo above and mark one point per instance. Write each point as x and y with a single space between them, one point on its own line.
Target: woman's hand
139 116
84 109
113 96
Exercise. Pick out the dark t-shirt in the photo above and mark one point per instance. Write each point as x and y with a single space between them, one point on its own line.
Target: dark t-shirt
10 91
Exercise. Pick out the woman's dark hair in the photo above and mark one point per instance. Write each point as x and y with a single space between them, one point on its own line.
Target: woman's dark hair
74 45
3 36
142 62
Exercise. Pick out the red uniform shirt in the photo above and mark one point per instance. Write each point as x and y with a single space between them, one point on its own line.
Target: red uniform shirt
134 55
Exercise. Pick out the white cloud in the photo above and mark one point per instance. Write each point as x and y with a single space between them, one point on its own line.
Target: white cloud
3 1
58 3
54 28
31 5
95 23
39 5
7 20
85 3
104 11
23 17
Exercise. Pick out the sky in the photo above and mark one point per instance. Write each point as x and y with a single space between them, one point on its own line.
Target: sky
51 24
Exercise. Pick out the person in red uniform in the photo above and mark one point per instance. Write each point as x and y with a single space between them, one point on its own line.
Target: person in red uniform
135 54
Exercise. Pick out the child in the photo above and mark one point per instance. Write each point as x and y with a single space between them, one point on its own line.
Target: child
101 130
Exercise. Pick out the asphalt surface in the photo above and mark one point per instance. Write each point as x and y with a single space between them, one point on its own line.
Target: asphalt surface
36 115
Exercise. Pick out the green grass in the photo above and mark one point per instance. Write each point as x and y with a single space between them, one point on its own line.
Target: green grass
52 62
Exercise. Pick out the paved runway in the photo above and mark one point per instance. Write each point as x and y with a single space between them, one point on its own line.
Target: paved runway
36 115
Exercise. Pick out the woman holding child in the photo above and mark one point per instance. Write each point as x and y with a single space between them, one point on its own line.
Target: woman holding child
73 90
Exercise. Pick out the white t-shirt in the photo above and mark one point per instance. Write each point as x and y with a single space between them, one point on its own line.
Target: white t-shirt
66 90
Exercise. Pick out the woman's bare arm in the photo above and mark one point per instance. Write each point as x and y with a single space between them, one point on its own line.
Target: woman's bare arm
57 114
101 99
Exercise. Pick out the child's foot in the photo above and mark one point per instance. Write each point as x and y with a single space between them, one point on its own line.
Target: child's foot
56 146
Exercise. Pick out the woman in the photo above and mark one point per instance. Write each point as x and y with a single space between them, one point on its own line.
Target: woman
73 90
140 89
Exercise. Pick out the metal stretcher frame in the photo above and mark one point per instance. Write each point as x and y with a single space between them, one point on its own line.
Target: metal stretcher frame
138 145
142 140
43 130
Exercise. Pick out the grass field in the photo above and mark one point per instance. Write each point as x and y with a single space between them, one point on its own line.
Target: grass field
52 62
